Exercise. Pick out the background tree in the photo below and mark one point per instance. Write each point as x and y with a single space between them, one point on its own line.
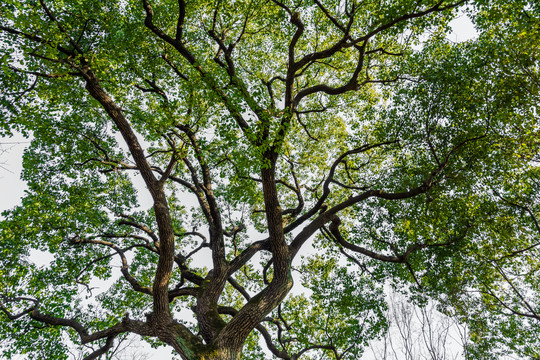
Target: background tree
419 333
261 129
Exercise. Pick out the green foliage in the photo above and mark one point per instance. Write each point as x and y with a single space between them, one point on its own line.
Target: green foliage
426 149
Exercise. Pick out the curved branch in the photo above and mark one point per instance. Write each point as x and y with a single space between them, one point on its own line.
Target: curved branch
329 214
96 260
293 67
345 41
102 350
398 258
334 230
315 347
139 226
351 85
12 316
35 38
187 291
124 269
247 254
154 88
209 205
239 288
186 54
126 325
296 189
282 354
328 181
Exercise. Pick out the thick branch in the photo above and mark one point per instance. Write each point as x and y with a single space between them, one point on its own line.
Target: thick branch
292 68
161 209
328 215
12 316
247 254
351 85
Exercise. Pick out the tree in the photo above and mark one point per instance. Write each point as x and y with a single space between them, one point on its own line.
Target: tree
261 129
419 333
2 153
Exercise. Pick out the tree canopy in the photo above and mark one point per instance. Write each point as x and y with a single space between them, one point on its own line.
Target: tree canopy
299 155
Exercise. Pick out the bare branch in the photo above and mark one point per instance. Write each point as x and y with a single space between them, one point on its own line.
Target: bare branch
181 18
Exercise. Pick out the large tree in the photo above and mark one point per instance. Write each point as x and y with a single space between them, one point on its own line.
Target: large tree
343 144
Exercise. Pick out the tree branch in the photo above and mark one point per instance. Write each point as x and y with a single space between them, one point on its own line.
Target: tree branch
124 269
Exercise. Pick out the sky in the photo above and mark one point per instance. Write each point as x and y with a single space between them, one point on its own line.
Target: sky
11 154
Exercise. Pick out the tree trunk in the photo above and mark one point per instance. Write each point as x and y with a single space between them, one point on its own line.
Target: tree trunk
222 354
214 354
190 347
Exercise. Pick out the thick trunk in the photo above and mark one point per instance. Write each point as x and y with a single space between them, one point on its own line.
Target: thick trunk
221 354
191 347
209 321
209 353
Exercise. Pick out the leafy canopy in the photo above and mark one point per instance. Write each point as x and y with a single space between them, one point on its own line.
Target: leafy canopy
299 155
